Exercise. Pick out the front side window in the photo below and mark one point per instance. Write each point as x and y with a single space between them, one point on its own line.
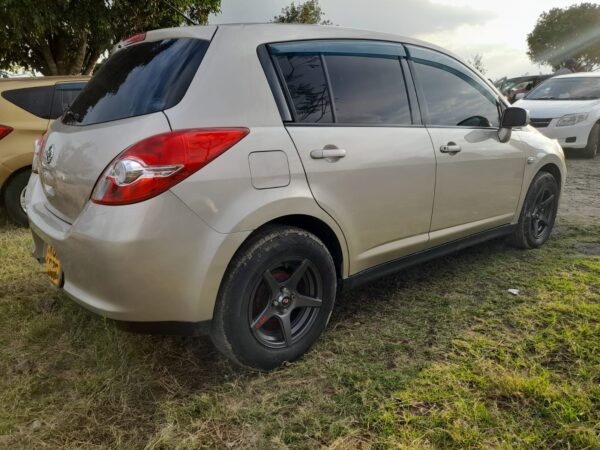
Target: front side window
453 94
344 81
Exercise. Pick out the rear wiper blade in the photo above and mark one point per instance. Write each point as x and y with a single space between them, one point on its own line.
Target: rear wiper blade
73 115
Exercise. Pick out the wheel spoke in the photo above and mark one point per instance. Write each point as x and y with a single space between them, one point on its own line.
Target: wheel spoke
293 280
271 282
264 317
286 328
547 202
536 226
305 301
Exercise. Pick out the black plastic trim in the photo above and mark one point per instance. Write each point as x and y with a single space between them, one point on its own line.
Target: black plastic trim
272 78
391 267
173 328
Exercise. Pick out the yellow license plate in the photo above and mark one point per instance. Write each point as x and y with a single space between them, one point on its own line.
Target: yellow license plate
53 266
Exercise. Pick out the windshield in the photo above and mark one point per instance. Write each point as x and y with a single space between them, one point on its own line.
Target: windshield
567 89
142 79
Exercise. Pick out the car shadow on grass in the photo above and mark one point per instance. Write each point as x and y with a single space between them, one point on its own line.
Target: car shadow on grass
125 388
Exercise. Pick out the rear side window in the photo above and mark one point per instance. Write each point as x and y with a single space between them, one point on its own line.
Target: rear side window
64 94
368 90
142 79
345 81
34 100
307 87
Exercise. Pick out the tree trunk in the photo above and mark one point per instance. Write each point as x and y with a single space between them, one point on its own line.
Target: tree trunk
48 58
76 66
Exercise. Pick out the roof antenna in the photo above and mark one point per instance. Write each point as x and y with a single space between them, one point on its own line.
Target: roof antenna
178 11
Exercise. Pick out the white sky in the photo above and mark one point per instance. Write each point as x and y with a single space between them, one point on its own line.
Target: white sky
497 29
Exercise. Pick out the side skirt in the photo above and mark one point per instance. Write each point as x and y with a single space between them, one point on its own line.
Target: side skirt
396 265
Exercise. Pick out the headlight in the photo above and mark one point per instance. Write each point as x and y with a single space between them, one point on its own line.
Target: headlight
571 119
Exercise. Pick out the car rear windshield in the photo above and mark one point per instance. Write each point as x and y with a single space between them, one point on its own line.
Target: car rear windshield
34 100
142 79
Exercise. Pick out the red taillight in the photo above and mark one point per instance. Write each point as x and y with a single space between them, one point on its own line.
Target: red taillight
158 163
4 131
38 148
133 39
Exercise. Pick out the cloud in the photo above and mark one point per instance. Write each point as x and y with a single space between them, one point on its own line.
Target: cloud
407 17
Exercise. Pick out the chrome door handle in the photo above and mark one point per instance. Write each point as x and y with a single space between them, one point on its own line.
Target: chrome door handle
326 153
450 147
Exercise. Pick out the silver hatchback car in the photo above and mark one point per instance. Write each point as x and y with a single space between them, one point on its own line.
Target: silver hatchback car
232 179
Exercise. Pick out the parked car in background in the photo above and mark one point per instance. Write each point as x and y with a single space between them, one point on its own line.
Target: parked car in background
515 88
27 106
567 108
231 179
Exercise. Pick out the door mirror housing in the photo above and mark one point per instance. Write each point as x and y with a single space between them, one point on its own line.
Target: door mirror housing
513 117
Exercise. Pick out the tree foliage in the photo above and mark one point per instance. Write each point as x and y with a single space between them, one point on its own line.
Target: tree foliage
568 37
477 62
66 37
308 12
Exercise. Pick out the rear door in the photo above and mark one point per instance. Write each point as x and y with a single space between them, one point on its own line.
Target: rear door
121 105
369 162
479 178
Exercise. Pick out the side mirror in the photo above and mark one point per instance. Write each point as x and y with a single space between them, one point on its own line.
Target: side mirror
513 117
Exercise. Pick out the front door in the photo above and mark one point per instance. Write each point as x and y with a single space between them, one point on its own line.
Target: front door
478 178
367 163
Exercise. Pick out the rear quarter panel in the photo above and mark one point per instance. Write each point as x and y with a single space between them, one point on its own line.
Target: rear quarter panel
230 89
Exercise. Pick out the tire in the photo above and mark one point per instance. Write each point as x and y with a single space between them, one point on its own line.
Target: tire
591 149
538 213
281 273
13 190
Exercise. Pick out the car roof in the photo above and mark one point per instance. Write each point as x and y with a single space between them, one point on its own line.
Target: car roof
328 31
580 75
23 82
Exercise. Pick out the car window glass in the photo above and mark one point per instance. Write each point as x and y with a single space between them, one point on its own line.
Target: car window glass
368 90
453 94
575 88
305 80
64 95
137 80
35 100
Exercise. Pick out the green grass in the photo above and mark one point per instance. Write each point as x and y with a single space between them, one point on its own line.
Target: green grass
436 356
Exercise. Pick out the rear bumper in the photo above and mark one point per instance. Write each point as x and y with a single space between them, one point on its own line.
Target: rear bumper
575 136
154 261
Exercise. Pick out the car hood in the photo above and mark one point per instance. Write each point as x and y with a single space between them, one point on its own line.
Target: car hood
556 108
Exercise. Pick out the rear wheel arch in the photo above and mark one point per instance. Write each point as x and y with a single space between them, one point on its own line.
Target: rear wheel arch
313 225
11 177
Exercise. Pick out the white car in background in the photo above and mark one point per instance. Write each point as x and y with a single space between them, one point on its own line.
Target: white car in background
567 108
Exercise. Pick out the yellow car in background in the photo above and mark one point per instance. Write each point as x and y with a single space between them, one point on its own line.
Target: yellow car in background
27 106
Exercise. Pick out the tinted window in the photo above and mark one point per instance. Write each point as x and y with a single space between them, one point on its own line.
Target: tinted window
368 90
454 96
35 100
64 95
141 79
307 86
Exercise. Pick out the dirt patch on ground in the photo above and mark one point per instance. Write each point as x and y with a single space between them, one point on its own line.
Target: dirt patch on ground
581 196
